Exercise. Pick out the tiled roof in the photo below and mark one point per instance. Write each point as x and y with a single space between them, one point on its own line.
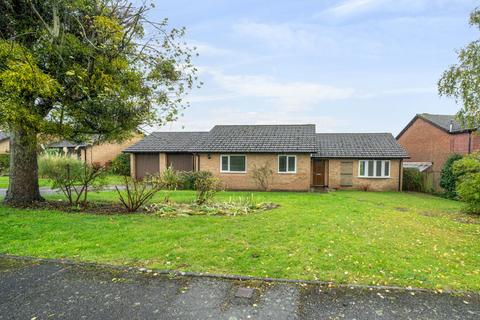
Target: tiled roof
4 135
259 138
274 139
66 144
443 121
168 142
358 145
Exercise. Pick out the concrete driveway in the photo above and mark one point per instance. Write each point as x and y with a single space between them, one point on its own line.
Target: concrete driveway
31 289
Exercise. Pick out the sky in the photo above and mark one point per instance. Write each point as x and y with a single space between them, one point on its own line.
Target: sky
344 65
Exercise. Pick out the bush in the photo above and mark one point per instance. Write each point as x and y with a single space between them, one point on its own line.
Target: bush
448 179
4 164
170 179
73 177
468 185
137 193
121 165
187 180
412 180
206 186
262 176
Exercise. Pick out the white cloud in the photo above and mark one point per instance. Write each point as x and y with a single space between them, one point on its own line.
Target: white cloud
206 49
354 7
275 35
293 95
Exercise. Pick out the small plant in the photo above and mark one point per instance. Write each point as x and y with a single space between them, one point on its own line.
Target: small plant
448 179
364 187
121 165
73 177
206 186
137 193
262 175
170 179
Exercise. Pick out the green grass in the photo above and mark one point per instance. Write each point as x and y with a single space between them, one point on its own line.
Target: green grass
110 180
348 237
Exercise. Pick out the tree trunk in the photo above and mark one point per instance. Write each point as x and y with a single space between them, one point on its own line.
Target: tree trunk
23 188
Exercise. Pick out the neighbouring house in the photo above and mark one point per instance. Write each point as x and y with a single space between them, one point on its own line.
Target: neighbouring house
430 139
4 142
300 158
94 152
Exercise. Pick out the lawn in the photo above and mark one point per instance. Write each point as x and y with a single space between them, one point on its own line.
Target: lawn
347 237
110 180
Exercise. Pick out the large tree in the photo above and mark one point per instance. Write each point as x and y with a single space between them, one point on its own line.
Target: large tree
462 80
73 68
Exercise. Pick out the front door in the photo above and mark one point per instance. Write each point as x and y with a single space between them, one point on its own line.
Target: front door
318 170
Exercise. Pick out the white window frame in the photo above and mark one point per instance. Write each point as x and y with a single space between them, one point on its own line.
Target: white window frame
228 156
383 176
288 156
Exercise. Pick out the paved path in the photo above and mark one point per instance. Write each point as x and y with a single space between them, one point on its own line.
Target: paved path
49 290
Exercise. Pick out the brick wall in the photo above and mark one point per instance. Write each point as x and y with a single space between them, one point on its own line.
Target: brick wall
5 146
426 143
373 184
299 181
105 152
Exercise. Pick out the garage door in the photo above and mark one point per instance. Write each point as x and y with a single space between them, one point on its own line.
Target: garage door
180 161
146 164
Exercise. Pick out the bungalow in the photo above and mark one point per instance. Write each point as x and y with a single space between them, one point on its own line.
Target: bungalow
4 142
300 158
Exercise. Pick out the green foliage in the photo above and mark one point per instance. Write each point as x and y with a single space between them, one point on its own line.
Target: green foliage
170 179
206 186
412 180
448 179
4 164
121 165
460 81
73 177
468 185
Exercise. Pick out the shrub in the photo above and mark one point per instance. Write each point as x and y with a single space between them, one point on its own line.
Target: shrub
448 179
170 179
412 180
206 186
137 193
4 164
262 175
121 165
468 185
187 180
73 177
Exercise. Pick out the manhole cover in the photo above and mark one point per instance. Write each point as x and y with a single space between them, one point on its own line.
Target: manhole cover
244 293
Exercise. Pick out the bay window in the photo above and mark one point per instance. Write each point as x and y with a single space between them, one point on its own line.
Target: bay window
374 168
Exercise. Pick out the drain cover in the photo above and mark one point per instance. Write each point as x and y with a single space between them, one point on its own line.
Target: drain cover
244 293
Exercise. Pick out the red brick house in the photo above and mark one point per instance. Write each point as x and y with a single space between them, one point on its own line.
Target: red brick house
432 138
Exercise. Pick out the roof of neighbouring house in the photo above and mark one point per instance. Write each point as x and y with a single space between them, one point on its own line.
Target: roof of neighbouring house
168 142
4 136
358 145
66 144
441 121
274 139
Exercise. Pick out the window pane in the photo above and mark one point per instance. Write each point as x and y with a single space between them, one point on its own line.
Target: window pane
224 163
362 168
291 164
282 164
387 168
237 163
378 171
370 168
